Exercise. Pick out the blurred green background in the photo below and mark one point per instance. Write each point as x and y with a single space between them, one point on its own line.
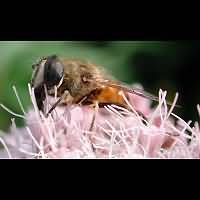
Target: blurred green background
172 66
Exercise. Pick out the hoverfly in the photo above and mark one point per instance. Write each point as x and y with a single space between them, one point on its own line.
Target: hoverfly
79 81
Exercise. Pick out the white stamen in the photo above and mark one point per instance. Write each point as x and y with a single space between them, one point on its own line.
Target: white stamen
198 108
111 110
50 139
6 148
131 107
173 105
60 83
31 92
18 99
33 138
188 127
56 92
11 112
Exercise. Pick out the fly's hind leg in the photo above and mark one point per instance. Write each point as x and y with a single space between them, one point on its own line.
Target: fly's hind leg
103 104
144 119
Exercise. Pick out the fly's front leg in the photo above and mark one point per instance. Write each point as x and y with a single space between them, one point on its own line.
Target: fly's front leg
65 94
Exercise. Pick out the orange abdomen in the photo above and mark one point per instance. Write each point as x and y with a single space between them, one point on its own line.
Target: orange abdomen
106 95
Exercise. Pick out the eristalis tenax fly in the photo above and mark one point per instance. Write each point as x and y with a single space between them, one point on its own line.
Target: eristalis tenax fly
79 82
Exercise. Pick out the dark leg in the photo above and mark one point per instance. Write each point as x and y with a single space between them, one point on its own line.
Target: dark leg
102 104
57 102
94 116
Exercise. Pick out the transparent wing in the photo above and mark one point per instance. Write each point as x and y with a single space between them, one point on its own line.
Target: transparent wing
133 90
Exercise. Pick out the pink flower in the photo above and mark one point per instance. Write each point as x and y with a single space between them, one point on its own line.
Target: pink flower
117 132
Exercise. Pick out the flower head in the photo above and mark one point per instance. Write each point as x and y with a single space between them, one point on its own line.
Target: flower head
111 132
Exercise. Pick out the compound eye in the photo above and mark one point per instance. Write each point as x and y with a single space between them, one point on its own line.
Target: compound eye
53 71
